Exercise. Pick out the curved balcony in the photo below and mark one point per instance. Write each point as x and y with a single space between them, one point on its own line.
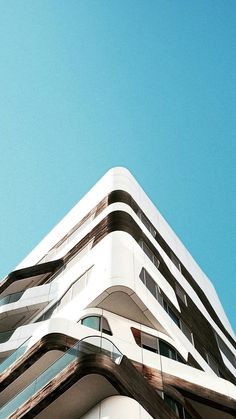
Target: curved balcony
14 356
18 308
88 345
29 277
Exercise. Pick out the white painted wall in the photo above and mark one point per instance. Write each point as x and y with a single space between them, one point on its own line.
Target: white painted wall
117 407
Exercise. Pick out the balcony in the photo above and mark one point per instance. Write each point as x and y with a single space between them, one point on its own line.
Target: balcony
88 345
22 279
18 308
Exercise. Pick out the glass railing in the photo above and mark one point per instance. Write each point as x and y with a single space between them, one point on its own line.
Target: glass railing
12 298
14 356
88 345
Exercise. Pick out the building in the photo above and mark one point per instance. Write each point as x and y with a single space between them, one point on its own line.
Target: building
110 317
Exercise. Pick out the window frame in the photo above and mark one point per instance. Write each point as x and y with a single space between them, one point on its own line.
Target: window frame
145 277
181 294
146 223
149 253
102 320
212 363
175 261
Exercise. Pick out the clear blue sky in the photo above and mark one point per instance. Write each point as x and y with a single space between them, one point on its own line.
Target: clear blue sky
150 85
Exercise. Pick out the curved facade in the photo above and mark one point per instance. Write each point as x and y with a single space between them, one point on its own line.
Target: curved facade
110 306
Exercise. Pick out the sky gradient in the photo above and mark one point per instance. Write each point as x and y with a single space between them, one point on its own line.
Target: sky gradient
149 85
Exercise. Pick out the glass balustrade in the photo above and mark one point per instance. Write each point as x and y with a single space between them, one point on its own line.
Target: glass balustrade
88 345
14 356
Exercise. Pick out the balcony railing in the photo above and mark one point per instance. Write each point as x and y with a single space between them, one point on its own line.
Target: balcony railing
88 345
14 356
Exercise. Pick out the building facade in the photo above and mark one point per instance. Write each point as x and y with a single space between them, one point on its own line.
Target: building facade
110 317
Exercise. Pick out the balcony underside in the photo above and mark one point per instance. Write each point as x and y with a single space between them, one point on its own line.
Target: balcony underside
14 318
82 396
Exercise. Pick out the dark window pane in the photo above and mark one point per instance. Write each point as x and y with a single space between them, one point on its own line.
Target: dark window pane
187 415
175 406
226 351
151 285
165 305
180 359
181 294
149 253
105 327
160 298
185 329
147 223
173 316
212 363
175 261
156 261
142 276
167 350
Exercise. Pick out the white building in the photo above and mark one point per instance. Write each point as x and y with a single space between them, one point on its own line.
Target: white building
110 317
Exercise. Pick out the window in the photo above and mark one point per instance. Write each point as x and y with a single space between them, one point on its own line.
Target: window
97 323
153 344
181 294
167 351
155 291
174 317
105 326
149 342
175 406
179 322
212 363
147 224
226 351
149 253
185 329
92 321
70 293
151 285
175 261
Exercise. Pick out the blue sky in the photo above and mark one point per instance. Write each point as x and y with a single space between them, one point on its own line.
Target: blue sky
150 85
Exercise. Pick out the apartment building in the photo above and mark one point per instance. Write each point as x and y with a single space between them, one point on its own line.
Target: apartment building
111 317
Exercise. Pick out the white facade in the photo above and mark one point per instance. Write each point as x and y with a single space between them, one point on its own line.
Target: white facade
112 280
